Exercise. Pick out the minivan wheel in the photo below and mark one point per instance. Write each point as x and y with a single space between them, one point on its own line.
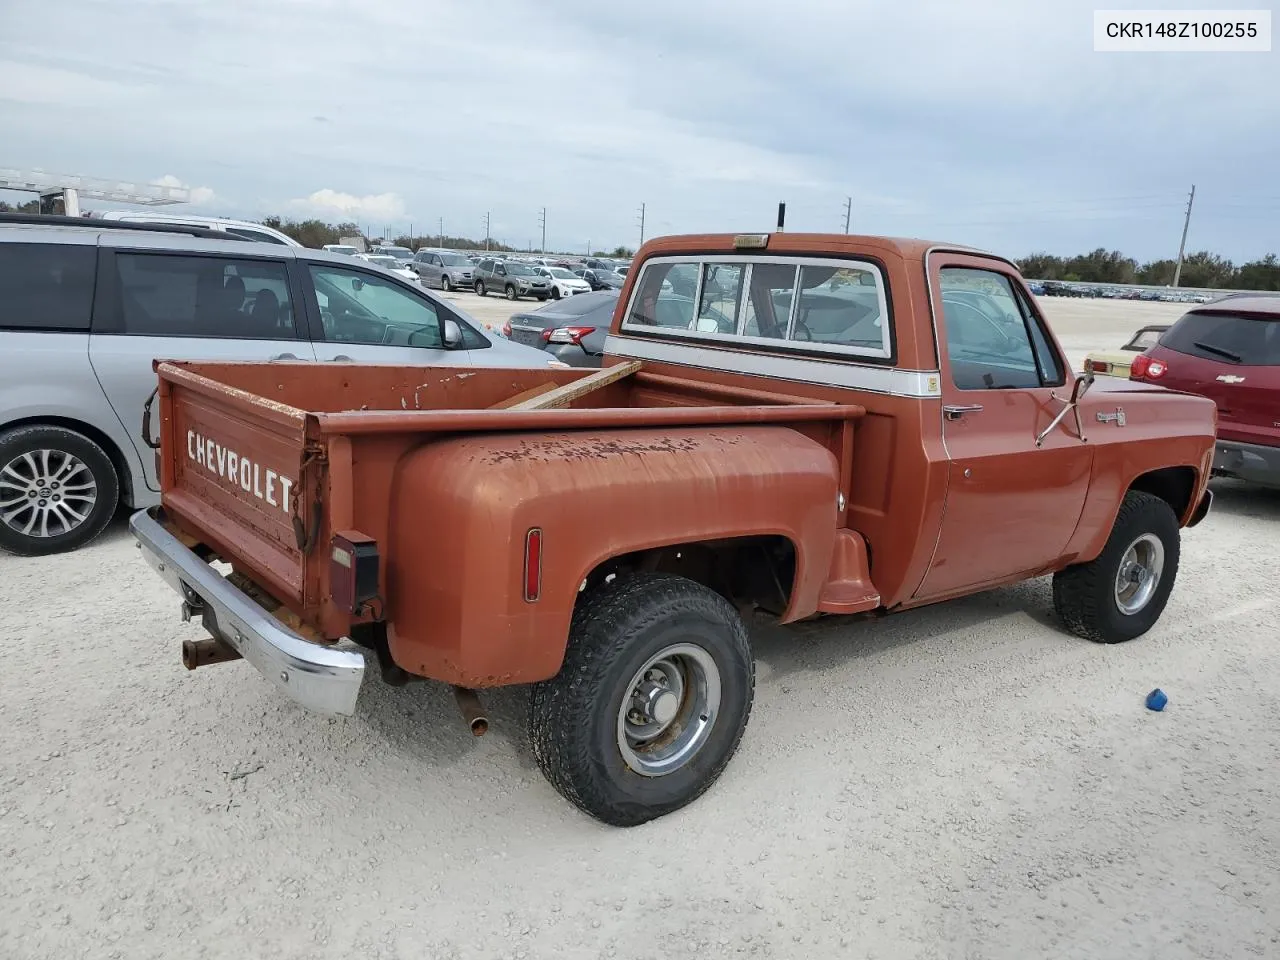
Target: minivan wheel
446 284
58 490
480 290
512 293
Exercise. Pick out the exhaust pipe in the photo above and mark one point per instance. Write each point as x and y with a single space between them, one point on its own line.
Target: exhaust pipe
472 712
202 653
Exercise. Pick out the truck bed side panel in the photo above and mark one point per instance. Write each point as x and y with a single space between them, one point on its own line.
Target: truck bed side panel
461 509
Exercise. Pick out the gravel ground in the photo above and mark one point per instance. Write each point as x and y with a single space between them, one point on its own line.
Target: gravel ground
959 781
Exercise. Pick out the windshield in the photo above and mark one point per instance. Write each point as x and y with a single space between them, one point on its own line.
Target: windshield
403 253
385 261
560 273
453 260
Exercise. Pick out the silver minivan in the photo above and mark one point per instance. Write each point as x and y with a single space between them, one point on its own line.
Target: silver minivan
86 305
443 269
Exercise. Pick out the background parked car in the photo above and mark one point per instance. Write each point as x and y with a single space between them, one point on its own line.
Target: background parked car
515 280
1115 363
341 248
397 266
600 278
75 374
1228 351
443 269
583 315
391 250
563 282
244 229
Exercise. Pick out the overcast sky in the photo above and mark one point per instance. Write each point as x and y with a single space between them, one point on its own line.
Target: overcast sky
989 123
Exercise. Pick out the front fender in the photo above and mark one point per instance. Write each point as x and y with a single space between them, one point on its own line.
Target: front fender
461 510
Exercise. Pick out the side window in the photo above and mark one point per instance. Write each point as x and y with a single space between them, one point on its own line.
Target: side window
358 307
256 235
1051 372
46 286
168 295
664 296
988 344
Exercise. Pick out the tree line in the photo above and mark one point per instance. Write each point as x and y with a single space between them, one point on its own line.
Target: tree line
1202 269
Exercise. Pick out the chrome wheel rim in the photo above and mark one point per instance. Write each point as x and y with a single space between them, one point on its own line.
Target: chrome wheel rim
668 710
46 493
1141 567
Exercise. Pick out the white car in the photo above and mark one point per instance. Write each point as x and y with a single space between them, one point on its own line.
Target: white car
563 283
241 228
391 264
341 248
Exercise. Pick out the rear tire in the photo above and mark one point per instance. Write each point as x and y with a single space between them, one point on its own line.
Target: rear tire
1111 599
480 288
627 636
58 490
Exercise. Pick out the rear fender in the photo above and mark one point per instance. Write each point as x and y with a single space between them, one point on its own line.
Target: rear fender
461 511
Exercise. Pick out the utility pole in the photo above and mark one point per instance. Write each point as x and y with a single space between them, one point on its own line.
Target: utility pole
486 233
848 208
542 219
442 233
1182 247
642 224
412 238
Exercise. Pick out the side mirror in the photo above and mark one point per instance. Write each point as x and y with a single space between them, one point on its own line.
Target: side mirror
708 325
357 283
452 335
1082 385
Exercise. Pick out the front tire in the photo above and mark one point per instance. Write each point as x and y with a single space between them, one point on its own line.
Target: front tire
446 284
1122 592
555 293
651 701
512 293
58 490
480 289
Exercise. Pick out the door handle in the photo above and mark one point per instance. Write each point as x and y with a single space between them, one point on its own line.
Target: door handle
954 411
284 356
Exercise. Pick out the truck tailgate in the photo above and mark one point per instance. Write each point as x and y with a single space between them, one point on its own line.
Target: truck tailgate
235 468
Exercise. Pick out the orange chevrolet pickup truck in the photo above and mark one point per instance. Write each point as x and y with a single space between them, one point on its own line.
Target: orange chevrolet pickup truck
800 425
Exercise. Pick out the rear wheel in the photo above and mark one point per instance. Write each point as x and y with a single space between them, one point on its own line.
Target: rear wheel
480 289
58 490
1120 595
651 701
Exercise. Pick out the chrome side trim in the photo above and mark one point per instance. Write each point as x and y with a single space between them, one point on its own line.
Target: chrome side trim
917 384
323 679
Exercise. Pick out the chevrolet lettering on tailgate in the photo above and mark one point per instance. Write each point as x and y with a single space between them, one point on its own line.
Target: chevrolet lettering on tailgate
230 465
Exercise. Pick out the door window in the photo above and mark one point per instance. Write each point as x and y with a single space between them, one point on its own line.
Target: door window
358 307
989 338
167 295
718 300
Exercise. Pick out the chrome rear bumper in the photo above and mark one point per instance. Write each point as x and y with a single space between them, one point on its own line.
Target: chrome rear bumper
323 679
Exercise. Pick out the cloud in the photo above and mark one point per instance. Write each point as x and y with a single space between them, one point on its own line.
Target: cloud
199 196
326 202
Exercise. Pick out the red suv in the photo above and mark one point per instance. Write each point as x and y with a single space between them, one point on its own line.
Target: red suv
1228 351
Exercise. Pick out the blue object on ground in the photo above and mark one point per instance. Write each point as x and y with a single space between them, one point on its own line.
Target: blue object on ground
1156 700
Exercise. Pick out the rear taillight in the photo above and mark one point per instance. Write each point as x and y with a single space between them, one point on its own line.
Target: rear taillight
1144 367
1098 366
532 565
572 335
353 571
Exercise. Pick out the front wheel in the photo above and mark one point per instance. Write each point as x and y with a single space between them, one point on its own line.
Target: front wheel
480 289
651 701
1121 593
58 490
555 293
446 284
512 293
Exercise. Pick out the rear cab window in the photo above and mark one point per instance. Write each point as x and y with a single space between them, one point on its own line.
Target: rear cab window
46 286
1247 339
803 304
